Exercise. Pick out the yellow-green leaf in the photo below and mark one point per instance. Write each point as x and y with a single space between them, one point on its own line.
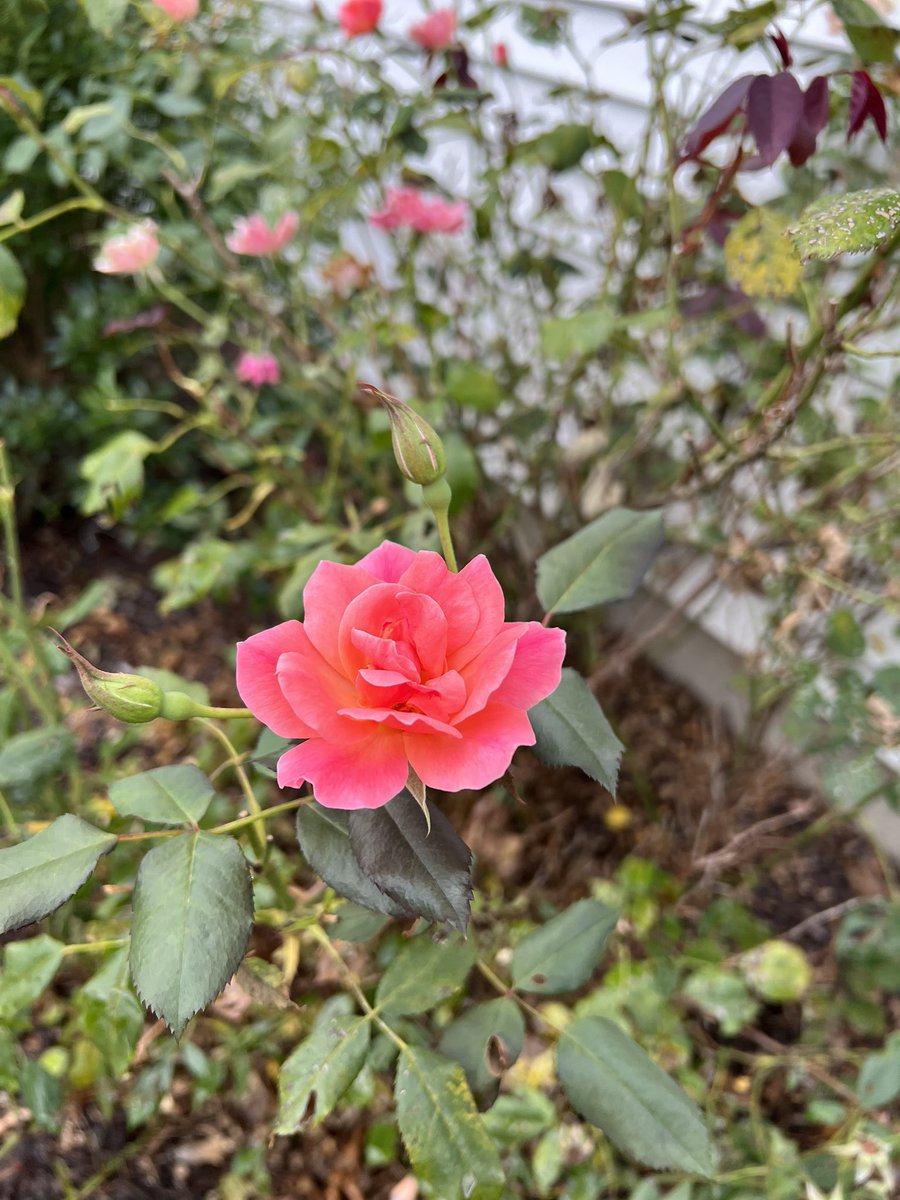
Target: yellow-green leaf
759 258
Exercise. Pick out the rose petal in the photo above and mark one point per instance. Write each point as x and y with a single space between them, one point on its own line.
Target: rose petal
315 691
388 561
482 753
399 718
325 598
364 774
257 683
536 669
487 672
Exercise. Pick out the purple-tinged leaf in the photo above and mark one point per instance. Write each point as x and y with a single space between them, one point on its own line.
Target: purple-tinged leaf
780 42
148 319
716 119
815 115
774 110
866 101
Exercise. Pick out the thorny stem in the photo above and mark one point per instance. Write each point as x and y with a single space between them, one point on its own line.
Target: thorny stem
10 533
247 822
320 936
257 835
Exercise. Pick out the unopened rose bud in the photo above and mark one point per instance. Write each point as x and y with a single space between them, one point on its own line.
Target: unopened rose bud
417 448
129 698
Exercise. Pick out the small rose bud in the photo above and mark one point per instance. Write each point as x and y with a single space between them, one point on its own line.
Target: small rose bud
129 698
417 448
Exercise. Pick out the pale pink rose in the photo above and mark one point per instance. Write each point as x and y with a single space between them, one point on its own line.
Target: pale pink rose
436 31
253 236
408 207
398 663
359 16
257 369
179 10
130 252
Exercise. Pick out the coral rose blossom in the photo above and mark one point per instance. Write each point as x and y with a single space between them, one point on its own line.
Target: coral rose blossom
436 31
359 16
257 369
407 207
179 10
129 253
253 237
399 663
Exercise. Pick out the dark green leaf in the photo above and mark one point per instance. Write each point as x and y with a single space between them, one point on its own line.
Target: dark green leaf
563 954
561 148
32 756
611 1081
879 1076
604 561
429 874
324 837
571 730
424 973
355 923
177 795
38 875
485 1040
193 908
316 1075
444 1136
520 1116
870 37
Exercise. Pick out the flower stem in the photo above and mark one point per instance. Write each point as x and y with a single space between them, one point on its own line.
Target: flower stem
257 834
437 496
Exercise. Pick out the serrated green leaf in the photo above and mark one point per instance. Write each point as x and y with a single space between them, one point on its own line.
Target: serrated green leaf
604 561
848 224
321 1068
27 970
176 795
424 973
610 1080
485 1041
571 730
324 838
37 876
428 873
444 1135
563 954
29 757
193 908
12 292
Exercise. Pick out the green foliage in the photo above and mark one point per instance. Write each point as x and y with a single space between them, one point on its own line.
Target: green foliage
40 874
847 224
615 1085
193 907
571 730
316 1075
424 973
563 954
485 1041
604 561
174 795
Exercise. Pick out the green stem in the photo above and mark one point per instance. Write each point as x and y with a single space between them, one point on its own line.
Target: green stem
437 496
50 214
12 826
257 833
319 935
94 947
263 815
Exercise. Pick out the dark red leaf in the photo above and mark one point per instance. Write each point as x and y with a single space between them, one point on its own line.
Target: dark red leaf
812 122
716 119
866 101
780 43
774 110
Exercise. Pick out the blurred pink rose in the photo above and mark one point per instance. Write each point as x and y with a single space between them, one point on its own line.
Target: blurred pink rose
252 236
179 10
436 31
501 55
257 369
398 663
359 16
130 252
408 207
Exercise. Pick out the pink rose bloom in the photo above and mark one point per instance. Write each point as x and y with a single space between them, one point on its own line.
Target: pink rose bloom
179 10
436 31
398 663
252 236
408 207
130 252
359 16
501 55
257 369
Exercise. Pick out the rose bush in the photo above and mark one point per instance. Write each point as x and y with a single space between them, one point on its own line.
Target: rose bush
399 663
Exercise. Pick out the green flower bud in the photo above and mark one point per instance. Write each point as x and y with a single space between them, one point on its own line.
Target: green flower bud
129 698
417 448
